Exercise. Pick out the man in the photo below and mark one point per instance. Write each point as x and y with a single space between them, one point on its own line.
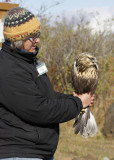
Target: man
30 110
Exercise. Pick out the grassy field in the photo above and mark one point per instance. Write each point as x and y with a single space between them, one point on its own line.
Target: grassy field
71 145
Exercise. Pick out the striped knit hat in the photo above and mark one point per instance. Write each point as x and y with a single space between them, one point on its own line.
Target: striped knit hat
20 24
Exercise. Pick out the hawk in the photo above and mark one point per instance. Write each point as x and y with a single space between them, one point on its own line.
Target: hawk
84 80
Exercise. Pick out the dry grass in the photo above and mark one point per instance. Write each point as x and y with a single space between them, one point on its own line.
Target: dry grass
71 145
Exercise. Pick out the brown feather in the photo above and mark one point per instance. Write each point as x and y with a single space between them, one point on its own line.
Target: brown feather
85 74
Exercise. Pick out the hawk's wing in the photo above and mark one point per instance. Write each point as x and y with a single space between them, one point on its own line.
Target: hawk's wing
85 123
91 127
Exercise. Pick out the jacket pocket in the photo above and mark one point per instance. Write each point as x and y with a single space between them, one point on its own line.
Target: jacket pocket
48 137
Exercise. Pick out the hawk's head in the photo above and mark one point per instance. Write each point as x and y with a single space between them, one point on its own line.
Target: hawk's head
85 74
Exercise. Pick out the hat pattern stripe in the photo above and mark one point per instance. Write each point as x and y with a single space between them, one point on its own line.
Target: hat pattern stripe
18 17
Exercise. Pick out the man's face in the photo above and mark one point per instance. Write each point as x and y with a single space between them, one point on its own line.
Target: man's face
30 44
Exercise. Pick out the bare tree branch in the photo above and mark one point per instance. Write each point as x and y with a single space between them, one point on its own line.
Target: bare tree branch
43 9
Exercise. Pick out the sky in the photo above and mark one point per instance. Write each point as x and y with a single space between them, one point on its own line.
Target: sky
68 5
105 8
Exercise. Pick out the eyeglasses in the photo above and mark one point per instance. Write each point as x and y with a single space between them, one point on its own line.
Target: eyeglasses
34 38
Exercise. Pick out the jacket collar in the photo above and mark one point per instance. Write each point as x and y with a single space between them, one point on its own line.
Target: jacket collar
22 54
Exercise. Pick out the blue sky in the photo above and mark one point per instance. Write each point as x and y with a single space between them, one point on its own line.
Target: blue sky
67 5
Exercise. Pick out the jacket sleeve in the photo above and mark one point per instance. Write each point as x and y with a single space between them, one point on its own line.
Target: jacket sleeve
23 98
61 95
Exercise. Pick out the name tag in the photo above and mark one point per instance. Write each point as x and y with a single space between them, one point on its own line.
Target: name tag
41 68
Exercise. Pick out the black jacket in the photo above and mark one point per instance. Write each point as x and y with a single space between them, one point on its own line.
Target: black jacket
30 110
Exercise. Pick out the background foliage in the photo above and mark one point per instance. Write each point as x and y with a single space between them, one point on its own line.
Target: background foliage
63 41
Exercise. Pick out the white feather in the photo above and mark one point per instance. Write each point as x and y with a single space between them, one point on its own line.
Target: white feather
91 128
85 124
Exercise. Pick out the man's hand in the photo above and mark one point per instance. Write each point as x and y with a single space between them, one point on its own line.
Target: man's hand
86 98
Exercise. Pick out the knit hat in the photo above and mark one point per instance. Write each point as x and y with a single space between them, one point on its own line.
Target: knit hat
20 24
